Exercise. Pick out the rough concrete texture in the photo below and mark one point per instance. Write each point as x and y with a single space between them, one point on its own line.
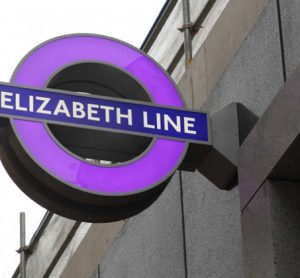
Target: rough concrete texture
290 19
285 215
227 35
213 225
254 76
223 30
49 244
268 143
275 211
150 244
257 242
91 250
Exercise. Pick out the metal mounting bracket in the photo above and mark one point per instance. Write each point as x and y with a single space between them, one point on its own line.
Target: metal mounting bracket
218 161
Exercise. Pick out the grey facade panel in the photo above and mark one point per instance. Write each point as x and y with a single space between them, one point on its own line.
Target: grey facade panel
272 147
151 244
254 76
285 215
271 231
290 19
257 243
212 217
213 231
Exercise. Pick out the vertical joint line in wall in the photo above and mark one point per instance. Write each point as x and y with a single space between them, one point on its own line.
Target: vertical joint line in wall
183 225
98 268
281 40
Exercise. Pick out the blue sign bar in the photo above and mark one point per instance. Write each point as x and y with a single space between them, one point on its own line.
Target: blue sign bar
89 111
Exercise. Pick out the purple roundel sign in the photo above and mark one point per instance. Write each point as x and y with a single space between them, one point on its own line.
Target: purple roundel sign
68 183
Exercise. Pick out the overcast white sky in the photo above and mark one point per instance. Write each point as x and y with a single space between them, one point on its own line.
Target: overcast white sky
24 24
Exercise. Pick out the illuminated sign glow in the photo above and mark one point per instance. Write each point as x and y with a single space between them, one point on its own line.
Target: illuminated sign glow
157 164
73 186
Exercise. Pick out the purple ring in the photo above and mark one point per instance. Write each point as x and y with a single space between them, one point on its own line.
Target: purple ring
151 169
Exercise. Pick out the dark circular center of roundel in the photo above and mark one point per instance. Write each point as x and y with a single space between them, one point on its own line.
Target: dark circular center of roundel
97 145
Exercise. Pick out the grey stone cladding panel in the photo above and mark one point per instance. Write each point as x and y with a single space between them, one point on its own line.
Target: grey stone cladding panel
212 217
257 242
213 230
271 231
285 215
151 243
290 19
255 75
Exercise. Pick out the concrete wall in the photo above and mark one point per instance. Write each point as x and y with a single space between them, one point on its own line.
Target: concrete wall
290 19
270 211
209 243
152 243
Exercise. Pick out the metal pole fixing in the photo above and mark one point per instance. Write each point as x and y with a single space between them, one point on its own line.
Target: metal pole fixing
187 28
22 246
